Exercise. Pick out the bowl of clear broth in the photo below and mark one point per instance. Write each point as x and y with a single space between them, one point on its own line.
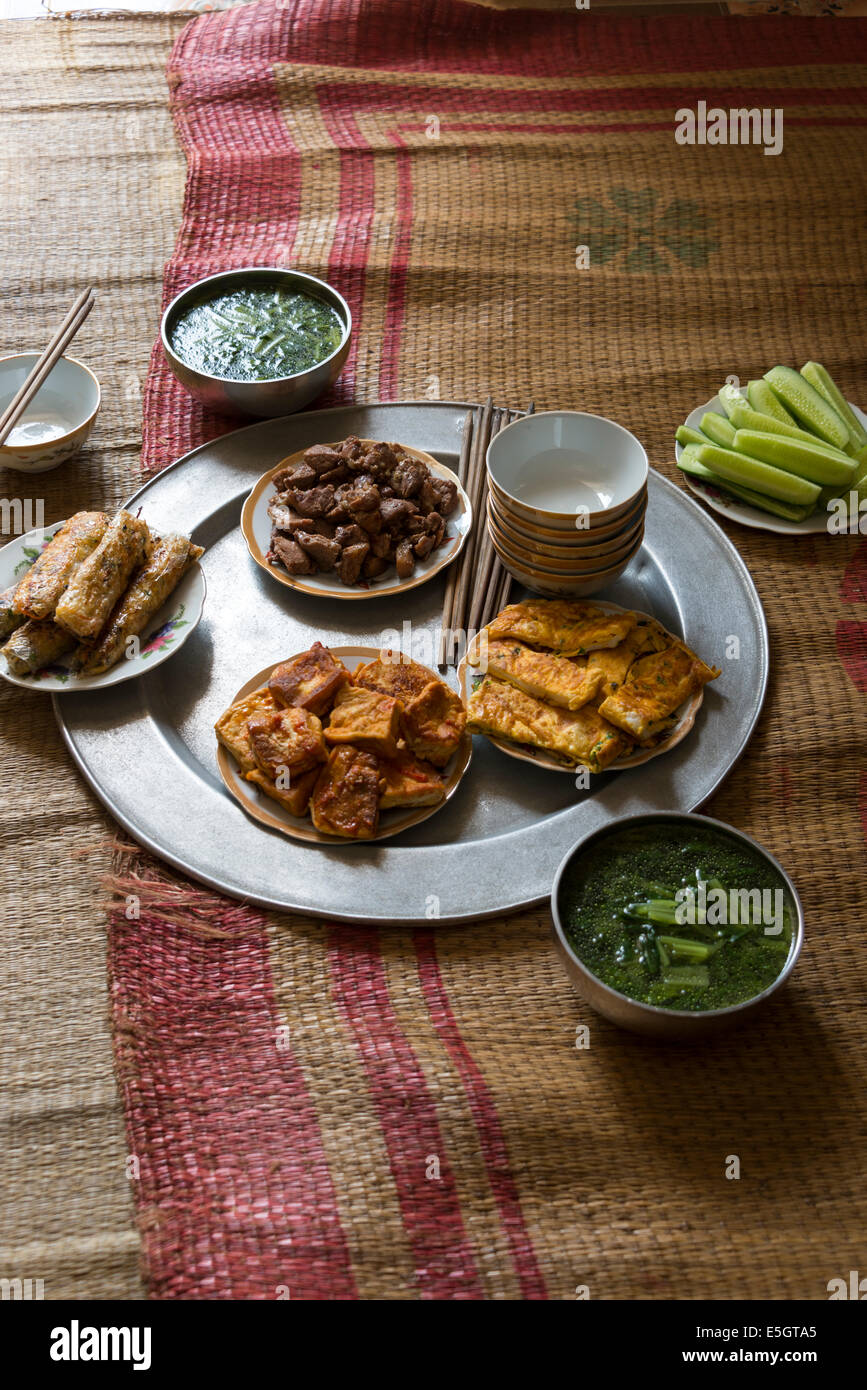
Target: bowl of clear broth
675 925
261 341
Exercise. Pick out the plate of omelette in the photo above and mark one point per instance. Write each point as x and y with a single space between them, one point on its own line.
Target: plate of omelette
569 685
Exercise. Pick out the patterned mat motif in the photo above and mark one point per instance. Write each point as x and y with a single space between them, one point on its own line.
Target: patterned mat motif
359 1113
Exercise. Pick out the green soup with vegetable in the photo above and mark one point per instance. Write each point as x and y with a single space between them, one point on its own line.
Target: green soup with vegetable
257 333
689 921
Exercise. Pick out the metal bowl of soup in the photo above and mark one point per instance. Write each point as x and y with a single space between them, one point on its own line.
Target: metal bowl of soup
615 906
261 341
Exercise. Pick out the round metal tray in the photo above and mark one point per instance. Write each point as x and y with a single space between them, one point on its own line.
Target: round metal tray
148 748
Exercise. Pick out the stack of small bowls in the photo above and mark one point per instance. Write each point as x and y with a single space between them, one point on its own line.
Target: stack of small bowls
567 494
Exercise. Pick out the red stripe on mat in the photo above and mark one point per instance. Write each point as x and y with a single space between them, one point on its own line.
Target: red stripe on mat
235 1199
396 306
393 34
853 589
852 651
484 1111
445 1265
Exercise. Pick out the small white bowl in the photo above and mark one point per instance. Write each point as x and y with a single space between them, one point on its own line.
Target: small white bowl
553 465
553 585
58 420
562 544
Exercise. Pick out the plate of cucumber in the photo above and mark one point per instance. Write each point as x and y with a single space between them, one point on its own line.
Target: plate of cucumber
787 453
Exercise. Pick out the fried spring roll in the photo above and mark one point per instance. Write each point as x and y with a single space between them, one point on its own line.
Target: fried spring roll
9 619
99 582
39 592
36 645
172 557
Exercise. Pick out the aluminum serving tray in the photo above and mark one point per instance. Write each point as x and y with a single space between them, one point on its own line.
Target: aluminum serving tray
148 750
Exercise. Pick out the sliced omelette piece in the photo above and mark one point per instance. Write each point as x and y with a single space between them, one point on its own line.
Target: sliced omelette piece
569 684
567 627
577 736
231 727
613 663
657 685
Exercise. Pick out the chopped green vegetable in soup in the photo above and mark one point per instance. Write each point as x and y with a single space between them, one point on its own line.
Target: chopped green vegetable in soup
699 924
257 334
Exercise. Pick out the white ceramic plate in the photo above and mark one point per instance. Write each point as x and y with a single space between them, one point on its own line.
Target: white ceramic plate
270 813
256 527
527 753
741 511
164 635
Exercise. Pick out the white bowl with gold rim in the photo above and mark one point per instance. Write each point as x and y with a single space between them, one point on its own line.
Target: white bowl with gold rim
554 466
59 419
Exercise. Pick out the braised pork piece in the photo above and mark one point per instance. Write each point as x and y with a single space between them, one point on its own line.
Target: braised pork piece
356 509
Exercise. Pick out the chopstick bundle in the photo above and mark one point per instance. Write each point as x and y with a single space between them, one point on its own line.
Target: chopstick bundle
478 584
63 336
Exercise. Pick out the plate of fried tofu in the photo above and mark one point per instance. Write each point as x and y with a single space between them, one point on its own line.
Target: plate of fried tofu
341 744
568 684
357 518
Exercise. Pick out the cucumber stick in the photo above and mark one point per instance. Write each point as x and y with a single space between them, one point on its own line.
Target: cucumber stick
687 435
858 485
823 382
786 510
730 396
804 401
717 429
809 461
757 475
748 419
763 400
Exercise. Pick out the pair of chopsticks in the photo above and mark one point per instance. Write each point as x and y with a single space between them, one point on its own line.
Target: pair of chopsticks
478 584
50 357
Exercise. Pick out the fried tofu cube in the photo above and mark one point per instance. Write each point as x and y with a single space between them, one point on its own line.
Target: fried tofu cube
365 718
409 782
345 800
433 723
231 727
393 674
310 680
286 742
294 798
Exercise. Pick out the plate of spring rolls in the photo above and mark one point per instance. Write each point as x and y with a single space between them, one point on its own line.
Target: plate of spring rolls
569 684
95 600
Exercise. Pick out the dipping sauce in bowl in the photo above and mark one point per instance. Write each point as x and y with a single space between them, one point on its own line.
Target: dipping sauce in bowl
675 915
261 340
257 333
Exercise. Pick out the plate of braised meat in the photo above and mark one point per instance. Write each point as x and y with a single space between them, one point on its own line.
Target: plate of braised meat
356 519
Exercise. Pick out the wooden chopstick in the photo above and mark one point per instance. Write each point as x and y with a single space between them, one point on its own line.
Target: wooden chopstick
487 557
448 624
475 481
60 341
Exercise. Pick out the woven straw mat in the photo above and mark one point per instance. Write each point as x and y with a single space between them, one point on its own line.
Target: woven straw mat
328 1111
